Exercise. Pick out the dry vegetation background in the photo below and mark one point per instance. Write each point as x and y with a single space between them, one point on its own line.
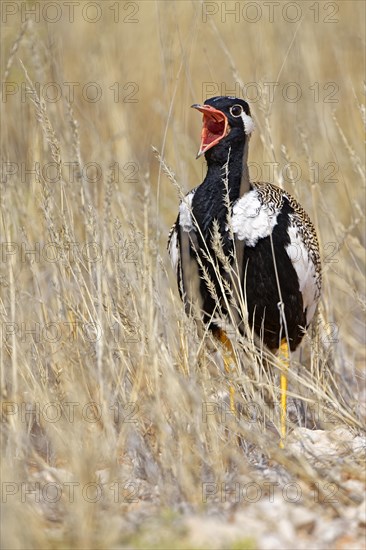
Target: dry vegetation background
118 450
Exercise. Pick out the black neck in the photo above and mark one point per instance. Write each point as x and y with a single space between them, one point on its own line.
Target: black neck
227 170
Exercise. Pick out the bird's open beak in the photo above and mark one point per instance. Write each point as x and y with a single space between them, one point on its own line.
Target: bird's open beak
215 127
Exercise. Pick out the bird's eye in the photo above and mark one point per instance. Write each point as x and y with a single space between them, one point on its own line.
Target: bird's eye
236 110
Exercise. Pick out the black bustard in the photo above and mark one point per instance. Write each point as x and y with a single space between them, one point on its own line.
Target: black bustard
257 231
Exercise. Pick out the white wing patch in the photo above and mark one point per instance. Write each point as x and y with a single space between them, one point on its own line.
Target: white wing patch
304 268
251 219
173 249
185 212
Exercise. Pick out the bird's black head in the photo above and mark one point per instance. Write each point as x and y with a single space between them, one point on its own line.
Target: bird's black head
226 121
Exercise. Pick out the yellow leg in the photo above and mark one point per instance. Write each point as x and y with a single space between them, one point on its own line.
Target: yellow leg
229 363
283 354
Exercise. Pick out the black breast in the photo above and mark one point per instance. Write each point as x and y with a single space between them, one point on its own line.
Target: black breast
259 276
208 205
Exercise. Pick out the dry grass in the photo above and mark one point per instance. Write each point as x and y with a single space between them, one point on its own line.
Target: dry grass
125 396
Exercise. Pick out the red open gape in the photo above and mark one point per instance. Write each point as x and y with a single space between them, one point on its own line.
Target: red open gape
215 127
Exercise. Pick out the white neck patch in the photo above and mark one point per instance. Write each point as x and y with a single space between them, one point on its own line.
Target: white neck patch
248 123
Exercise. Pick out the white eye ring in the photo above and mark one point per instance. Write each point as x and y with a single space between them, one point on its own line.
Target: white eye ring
237 114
